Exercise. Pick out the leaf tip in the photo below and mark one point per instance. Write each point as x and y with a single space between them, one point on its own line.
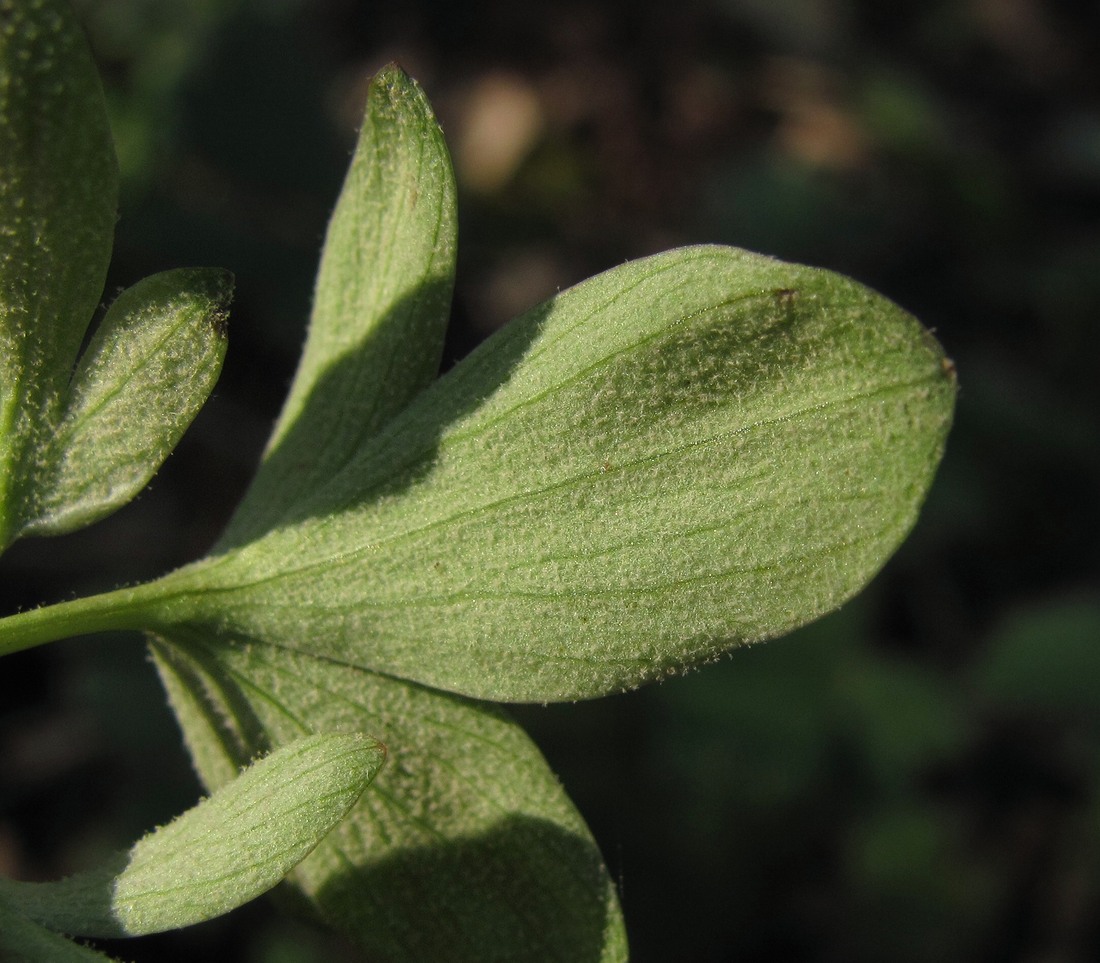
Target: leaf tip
215 287
393 84
392 74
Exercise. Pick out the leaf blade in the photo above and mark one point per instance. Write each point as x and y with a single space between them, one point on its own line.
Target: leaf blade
24 941
58 196
228 849
464 848
694 451
381 302
147 372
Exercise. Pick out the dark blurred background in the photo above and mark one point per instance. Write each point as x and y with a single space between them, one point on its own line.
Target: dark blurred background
916 778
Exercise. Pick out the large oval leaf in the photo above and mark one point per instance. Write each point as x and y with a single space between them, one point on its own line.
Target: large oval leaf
690 452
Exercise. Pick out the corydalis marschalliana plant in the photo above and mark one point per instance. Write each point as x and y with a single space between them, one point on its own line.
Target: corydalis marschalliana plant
690 452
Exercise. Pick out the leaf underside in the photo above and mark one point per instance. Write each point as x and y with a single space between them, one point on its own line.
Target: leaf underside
24 941
690 452
225 851
687 453
380 307
58 193
465 847
146 374
76 445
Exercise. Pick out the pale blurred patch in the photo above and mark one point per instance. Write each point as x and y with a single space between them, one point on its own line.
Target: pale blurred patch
499 120
816 124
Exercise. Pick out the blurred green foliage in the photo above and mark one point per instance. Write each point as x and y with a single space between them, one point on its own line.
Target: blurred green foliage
914 778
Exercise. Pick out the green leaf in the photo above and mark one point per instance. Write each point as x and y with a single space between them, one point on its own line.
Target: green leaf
690 452
465 848
24 941
75 447
148 370
58 194
227 850
381 304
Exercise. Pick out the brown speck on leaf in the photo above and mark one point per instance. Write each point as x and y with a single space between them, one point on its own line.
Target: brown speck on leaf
219 320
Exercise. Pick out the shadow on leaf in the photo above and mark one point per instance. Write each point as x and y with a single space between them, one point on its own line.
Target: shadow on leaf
339 451
522 890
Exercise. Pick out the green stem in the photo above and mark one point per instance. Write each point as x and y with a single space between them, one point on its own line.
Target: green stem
129 608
